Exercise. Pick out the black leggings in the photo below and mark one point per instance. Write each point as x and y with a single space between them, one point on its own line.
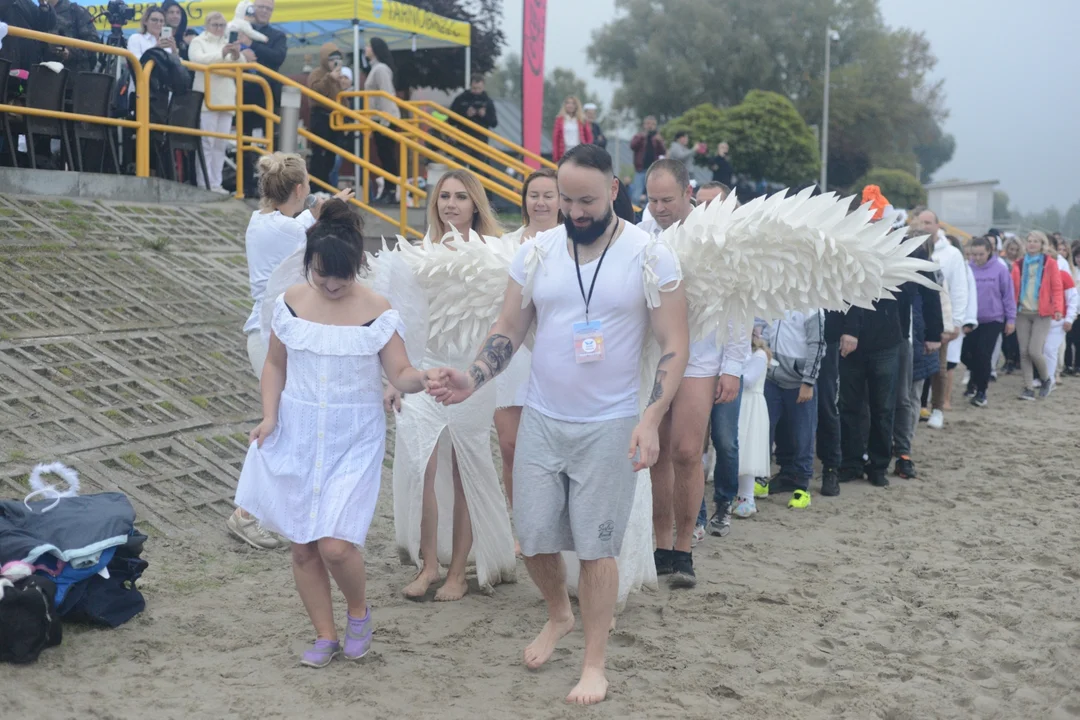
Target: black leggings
979 346
1072 347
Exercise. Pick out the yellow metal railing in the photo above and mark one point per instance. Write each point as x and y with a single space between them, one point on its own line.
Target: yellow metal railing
413 142
419 106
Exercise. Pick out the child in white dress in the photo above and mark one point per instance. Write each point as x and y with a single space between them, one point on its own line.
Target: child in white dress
755 458
313 469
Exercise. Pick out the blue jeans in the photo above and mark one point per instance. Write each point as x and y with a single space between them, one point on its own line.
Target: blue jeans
868 377
335 173
637 187
725 438
800 423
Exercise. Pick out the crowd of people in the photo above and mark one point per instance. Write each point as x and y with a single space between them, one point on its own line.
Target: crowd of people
844 386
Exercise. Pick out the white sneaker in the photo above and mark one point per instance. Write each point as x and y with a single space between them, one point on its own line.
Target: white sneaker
966 380
250 531
937 420
744 508
699 535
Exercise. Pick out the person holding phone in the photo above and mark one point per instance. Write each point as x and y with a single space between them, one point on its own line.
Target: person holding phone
176 23
153 34
209 48
328 80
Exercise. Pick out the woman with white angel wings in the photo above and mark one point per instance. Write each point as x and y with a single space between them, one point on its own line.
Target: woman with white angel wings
539 213
738 262
447 500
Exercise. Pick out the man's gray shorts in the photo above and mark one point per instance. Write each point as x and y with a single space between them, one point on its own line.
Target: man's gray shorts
573 485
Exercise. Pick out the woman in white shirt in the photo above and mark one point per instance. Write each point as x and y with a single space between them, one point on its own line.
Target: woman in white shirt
539 213
276 230
210 48
381 77
153 20
570 130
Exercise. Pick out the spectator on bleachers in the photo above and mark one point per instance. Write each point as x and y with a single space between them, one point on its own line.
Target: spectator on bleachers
327 80
22 52
271 55
475 105
209 48
176 18
381 78
73 21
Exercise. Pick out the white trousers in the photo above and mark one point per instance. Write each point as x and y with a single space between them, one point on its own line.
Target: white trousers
214 148
1055 342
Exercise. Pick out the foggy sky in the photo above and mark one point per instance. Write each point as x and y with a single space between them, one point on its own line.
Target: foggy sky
1012 83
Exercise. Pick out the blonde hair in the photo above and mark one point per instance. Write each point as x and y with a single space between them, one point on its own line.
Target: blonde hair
579 115
758 343
1041 237
279 174
483 218
146 16
212 16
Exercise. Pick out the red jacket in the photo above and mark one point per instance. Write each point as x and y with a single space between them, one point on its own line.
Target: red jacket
637 144
1051 293
558 139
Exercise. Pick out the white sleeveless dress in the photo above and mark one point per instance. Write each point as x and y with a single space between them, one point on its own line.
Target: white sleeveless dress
755 458
318 474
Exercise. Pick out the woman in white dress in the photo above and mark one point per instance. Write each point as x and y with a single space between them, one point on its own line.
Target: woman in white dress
447 500
539 213
313 469
274 232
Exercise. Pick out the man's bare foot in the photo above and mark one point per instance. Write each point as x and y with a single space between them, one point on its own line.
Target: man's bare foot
540 649
418 588
591 689
453 589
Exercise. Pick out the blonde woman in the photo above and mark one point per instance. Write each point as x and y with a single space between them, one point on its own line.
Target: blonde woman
539 213
571 129
274 232
447 500
210 48
1040 300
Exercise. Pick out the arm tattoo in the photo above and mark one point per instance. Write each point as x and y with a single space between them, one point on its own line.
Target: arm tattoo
658 382
492 360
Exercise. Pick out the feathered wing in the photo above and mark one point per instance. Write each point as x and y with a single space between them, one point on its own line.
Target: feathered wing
465 281
386 275
787 253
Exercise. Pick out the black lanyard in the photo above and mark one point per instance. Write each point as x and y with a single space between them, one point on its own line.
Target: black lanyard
592 285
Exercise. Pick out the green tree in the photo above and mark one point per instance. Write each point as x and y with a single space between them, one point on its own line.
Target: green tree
1070 226
768 138
1002 213
900 188
443 69
680 54
505 82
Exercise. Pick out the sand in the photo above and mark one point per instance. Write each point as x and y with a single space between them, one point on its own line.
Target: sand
950 596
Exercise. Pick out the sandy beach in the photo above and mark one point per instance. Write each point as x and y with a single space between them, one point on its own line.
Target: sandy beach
951 596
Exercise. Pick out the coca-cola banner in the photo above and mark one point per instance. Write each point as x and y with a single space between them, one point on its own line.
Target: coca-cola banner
532 75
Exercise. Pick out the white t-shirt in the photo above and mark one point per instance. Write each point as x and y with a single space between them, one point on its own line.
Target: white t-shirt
271 237
559 387
571 132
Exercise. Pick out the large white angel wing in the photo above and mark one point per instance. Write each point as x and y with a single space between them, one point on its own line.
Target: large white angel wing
787 253
465 281
386 275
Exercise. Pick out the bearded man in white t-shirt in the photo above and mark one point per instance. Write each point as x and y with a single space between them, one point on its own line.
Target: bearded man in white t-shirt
581 439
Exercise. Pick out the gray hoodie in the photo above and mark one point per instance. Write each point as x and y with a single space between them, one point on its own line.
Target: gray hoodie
798 344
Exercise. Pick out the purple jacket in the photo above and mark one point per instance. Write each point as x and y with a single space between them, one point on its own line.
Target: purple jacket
994 285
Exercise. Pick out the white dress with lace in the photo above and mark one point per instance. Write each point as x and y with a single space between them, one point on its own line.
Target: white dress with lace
318 474
425 426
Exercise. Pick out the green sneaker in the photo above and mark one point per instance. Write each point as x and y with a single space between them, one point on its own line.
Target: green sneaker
761 488
799 499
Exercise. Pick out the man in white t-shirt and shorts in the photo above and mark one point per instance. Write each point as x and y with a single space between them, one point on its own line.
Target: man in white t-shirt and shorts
581 440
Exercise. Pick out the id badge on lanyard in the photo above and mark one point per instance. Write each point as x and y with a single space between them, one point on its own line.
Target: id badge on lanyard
589 336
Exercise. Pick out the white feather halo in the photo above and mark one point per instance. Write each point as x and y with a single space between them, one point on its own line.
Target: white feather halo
465 280
787 253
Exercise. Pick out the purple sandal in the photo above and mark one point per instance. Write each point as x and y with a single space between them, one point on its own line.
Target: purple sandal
321 653
358 636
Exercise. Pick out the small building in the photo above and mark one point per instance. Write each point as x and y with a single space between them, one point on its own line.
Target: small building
968 206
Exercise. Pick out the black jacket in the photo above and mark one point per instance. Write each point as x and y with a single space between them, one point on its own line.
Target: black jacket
270 54
467 100
74 21
26 14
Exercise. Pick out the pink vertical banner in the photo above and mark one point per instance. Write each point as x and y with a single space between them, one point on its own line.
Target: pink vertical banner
532 76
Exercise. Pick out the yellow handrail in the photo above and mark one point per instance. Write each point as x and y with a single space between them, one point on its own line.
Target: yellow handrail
544 162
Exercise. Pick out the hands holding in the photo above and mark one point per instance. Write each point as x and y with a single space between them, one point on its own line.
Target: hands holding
262 431
449 386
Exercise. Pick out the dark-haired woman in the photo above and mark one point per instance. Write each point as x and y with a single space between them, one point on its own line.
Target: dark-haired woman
313 468
381 78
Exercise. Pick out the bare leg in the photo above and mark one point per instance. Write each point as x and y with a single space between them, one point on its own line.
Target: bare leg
689 424
549 574
346 563
429 534
662 474
313 584
598 591
455 586
947 405
507 421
